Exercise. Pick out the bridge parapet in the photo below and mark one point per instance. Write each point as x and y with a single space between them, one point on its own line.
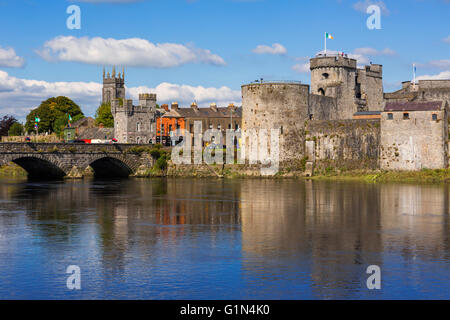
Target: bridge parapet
60 159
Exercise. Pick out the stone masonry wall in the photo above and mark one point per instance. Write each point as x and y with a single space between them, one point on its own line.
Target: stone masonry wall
343 144
415 143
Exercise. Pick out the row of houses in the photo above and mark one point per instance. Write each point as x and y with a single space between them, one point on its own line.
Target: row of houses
167 121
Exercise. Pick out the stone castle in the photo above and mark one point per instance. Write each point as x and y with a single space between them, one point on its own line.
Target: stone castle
132 124
318 122
343 119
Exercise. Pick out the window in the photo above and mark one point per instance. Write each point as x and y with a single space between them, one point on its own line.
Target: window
170 128
138 127
390 116
325 75
434 117
321 91
406 116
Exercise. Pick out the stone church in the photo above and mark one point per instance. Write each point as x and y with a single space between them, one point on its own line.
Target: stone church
132 124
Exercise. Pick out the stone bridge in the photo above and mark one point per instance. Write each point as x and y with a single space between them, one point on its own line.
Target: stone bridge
58 160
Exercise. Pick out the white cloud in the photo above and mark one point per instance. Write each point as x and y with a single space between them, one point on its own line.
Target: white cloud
301 67
441 64
362 6
444 75
186 94
8 58
276 48
447 40
19 96
129 52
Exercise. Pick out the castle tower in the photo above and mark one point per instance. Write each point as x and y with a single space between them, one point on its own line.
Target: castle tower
336 76
113 87
134 124
275 105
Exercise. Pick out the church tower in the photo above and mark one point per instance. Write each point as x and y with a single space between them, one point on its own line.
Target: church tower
113 87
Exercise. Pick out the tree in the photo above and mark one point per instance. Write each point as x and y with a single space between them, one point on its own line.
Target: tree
104 115
5 124
63 122
16 129
49 111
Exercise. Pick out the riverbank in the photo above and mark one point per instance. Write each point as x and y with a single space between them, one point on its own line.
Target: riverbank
422 176
245 171
12 170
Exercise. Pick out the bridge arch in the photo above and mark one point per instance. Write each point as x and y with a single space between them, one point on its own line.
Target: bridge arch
111 167
39 167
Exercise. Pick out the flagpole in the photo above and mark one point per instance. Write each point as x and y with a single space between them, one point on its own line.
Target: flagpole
325 35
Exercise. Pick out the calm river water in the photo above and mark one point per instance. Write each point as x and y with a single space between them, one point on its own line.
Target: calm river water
223 239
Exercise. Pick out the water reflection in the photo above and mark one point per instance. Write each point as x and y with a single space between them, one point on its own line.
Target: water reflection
208 238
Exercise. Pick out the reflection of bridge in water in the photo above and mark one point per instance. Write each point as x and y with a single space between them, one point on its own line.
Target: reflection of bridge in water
57 160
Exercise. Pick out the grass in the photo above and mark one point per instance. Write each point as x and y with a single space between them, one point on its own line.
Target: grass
422 176
12 170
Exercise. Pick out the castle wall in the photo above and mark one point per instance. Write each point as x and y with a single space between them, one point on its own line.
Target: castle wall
323 107
343 144
281 106
416 143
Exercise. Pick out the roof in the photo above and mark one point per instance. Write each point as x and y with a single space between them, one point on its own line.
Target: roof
84 122
203 113
414 106
97 133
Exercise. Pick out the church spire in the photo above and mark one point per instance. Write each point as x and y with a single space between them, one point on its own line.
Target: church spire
113 72
103 72
123 73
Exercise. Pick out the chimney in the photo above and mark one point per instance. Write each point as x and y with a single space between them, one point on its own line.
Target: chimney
213 107
174 106
194 106
231 106
165 107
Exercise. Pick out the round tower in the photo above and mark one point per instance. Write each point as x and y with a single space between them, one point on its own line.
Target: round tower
276 105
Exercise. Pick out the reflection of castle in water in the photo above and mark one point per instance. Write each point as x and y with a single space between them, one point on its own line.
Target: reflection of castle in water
330 232
337 231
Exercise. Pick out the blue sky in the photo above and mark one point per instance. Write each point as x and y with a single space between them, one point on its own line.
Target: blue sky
204 50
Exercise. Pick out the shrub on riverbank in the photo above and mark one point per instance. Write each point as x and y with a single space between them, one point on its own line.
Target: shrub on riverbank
424 175
12 170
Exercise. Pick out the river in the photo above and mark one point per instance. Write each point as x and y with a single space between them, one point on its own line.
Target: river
223 239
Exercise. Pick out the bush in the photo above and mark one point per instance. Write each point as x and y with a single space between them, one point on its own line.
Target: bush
16 129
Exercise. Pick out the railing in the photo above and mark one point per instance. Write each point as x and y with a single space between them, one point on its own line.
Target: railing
276 81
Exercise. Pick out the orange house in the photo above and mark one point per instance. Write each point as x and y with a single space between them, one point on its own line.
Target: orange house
168 123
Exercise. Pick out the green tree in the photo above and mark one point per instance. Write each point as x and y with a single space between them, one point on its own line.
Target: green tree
63 122
16 129
51 110
104 115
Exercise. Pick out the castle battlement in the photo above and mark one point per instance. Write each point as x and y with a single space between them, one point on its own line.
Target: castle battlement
335 61
147 96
